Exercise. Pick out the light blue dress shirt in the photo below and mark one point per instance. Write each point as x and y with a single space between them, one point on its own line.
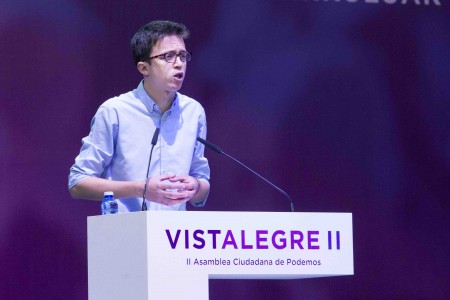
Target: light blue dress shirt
119 143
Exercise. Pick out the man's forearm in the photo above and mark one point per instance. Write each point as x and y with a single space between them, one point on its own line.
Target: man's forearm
92 188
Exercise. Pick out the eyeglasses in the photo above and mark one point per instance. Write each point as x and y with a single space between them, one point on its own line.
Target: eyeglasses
171 56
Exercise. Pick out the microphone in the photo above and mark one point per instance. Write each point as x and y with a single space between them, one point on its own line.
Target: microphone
154 141
218 150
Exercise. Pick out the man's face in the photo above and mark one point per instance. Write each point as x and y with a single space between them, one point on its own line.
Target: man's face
164 76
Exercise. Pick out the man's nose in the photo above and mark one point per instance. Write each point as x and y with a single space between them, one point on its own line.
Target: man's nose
177 62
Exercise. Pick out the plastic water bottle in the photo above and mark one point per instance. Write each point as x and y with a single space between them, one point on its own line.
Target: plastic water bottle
109 204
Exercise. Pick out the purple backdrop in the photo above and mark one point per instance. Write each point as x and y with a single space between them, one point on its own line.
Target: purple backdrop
345 104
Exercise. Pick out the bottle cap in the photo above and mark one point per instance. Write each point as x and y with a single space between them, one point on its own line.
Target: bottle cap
108 193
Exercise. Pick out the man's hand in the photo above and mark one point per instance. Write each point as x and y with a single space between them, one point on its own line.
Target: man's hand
192 185
171 189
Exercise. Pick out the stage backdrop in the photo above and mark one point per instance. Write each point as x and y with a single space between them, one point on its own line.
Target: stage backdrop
343 103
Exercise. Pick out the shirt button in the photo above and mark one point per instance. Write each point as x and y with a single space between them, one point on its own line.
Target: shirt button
164 172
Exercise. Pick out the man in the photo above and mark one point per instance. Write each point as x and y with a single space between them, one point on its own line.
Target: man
115 155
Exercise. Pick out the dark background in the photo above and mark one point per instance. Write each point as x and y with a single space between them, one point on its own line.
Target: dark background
343 104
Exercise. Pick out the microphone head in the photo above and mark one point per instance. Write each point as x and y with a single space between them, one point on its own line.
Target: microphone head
209 145
155 136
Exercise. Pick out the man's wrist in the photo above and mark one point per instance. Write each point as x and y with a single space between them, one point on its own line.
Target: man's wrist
140 187
199 185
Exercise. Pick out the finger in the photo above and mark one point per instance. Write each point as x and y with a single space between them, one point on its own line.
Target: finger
176 195
172 186
169 201
166 177
178 178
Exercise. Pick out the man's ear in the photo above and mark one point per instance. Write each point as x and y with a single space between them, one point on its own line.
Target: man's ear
143 68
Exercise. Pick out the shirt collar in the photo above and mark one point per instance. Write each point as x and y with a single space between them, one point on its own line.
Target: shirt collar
150 103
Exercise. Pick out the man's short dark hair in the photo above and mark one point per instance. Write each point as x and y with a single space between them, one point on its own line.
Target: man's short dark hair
143 41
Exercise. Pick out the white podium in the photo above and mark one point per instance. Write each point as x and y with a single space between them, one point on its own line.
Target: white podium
172 255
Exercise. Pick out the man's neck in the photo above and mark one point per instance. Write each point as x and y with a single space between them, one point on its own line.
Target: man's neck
163 99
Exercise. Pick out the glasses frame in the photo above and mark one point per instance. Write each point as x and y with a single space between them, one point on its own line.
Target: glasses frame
188 56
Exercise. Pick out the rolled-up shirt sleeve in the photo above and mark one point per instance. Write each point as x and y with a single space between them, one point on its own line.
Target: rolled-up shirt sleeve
97 148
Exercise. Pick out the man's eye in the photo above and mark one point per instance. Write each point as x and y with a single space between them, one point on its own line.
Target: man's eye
170 55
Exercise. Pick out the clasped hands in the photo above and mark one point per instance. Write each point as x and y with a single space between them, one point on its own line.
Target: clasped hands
171 189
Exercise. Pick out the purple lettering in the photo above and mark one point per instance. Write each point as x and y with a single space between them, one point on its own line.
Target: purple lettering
330 240
186 239
229 240
244 246
295 240
173 243
338 240
282 240
330 243
260 239
214 233
198 238
312 239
